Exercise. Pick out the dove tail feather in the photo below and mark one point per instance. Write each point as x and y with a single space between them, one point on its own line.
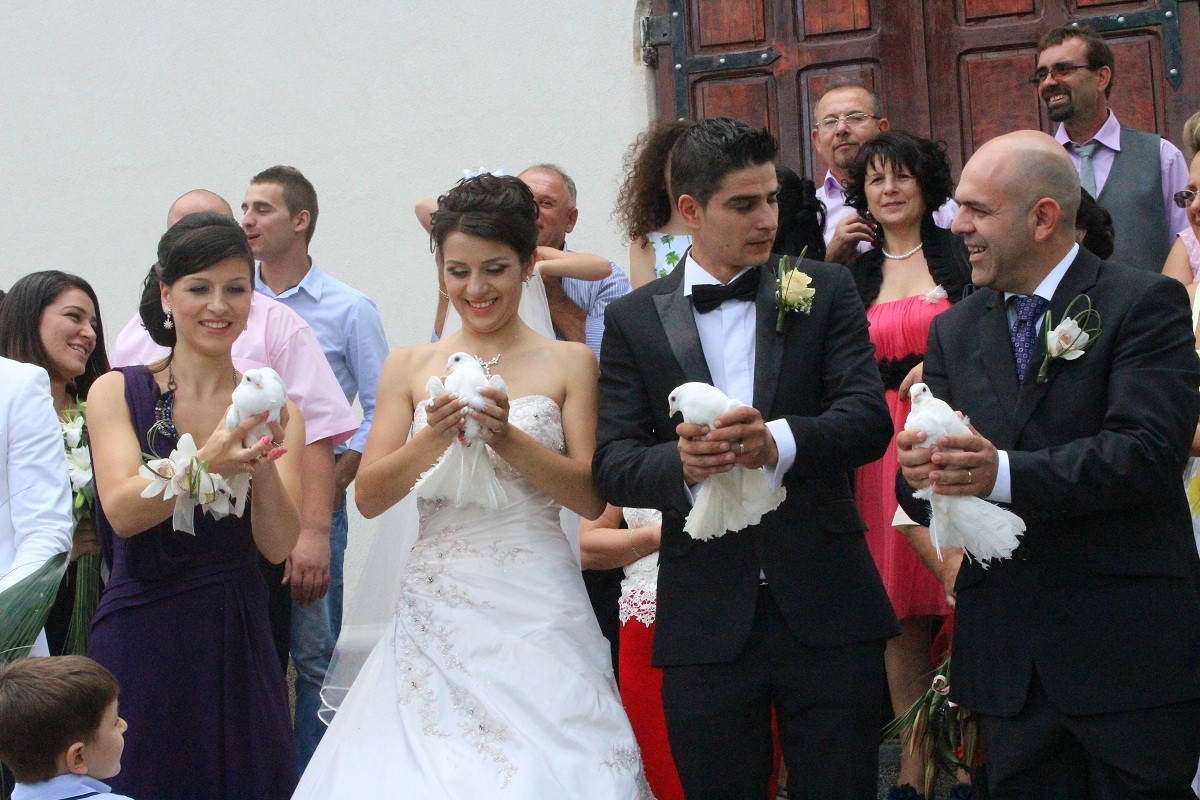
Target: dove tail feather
731 501
239 486
463 475
984 530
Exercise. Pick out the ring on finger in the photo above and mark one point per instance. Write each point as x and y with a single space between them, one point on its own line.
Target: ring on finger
741 448
970 477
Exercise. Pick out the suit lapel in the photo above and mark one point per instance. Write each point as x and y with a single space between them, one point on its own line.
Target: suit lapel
675 312
999 363
1080 277
768 345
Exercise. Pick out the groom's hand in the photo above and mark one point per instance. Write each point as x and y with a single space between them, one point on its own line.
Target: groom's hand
748 437
702 456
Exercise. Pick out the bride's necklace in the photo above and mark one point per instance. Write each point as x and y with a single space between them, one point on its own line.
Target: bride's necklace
902 256
487 365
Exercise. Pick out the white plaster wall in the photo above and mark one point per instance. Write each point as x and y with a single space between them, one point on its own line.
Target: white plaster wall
108 111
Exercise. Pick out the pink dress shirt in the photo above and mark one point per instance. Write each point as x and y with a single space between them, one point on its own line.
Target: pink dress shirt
278 338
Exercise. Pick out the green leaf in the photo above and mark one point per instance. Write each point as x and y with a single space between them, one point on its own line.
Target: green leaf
25 605
87 599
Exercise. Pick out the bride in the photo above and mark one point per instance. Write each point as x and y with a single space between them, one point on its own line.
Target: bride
491 678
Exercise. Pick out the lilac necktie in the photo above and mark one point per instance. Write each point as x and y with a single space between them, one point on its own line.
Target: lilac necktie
1024 330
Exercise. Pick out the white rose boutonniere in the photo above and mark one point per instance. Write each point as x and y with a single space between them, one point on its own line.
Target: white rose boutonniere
793 292
1073 334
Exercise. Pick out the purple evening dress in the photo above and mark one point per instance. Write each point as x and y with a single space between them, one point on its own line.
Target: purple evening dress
183 625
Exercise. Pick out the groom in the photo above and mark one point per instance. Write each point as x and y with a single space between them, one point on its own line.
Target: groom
788 614
1080 655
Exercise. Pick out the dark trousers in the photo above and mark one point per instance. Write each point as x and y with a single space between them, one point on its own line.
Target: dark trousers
604 591
826 701
1045 754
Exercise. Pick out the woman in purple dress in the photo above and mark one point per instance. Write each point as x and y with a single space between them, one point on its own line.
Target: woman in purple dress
183 619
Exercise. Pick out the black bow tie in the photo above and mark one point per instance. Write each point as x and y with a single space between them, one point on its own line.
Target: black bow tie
707 296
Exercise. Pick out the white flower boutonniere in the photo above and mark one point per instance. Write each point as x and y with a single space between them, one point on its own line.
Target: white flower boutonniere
935 295
793 292
1073 334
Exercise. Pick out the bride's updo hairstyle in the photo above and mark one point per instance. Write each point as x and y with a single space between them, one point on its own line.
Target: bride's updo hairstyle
500 208
191 245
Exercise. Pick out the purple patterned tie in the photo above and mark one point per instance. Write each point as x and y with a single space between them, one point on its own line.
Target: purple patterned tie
1024 331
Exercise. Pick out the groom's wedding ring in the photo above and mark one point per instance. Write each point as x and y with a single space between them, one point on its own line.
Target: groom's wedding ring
970 477
741 448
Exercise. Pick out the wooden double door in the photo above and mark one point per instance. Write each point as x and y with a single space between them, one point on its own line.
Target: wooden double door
953 70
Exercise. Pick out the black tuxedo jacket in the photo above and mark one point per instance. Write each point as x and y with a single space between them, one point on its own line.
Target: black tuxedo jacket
1101 596
820 376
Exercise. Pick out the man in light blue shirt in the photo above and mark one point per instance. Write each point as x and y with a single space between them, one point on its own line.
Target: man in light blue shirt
279 215
576 307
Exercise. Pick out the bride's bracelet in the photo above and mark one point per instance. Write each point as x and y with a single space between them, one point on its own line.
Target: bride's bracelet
631 547
184 476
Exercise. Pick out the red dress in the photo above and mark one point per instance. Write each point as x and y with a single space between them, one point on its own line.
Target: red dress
899 329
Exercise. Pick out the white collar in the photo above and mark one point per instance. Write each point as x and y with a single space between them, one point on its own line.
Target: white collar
695 275
1049 284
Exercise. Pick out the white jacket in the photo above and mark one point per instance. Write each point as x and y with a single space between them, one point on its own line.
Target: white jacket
35 491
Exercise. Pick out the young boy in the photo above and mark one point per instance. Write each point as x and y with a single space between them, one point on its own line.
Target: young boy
59 729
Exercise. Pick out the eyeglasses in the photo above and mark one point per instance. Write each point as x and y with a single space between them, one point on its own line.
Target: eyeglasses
1059 71
1184 197
854 119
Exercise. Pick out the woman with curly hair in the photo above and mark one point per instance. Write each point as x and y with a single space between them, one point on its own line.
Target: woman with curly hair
915 271
657 236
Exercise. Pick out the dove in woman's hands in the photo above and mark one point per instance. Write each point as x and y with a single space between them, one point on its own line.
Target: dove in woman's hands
727 501
261 391
464 474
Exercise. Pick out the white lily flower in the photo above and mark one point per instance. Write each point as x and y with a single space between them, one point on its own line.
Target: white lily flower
79 467
72 430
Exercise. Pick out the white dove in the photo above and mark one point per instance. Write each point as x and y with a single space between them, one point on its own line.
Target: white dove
464 474
728 501
260 390
983 529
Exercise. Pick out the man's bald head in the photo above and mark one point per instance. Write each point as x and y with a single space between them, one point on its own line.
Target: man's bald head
1017 197
195 201
1030 165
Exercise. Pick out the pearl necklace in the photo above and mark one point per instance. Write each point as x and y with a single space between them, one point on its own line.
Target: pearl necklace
487 365
902 256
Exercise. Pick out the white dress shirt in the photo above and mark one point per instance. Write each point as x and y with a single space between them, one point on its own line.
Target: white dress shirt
728 335
1002 491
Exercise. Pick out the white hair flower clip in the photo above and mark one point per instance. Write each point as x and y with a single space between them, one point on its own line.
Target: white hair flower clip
475 173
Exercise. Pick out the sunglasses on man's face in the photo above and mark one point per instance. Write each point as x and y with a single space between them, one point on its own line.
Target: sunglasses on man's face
1184 197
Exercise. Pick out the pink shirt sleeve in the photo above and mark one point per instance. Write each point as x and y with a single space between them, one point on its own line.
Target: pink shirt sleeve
134 346
296 355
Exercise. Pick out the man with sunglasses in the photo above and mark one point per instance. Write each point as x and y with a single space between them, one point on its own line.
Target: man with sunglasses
1132 173
848 114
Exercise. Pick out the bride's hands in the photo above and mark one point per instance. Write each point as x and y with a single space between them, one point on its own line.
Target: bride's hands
493 419
445 416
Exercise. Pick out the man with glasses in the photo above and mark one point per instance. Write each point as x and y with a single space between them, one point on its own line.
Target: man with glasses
1131 173
848 114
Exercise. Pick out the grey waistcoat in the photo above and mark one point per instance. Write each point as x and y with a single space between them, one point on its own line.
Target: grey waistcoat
1133 195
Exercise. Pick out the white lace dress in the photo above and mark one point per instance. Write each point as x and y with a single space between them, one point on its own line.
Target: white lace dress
493 680
639 589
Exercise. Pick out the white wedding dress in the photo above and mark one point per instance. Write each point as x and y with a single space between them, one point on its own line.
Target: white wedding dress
492 679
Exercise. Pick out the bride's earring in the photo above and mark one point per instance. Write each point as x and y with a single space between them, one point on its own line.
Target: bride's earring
168 323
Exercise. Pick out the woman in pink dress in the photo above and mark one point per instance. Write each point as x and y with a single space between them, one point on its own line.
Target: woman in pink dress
914 272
